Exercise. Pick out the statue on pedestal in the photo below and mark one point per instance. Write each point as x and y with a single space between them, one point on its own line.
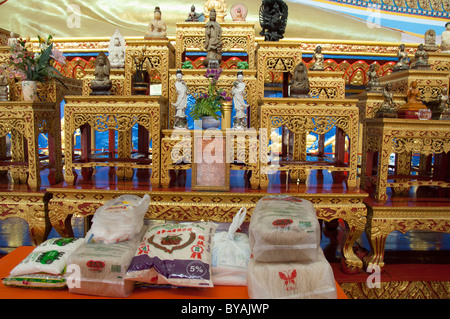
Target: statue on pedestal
117 51
318 60
101 84
156 28
220 10
213 41
420 59
388 107
180 105
238 92
193 16
430 41
403 60
373 85
239 12
413 99
299 85
445 39
273 19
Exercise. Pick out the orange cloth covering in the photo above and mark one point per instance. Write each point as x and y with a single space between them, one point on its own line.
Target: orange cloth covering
218 292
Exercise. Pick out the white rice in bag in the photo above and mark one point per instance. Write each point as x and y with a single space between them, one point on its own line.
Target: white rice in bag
284 229
99 269
174 254
119 219
50 257
314 280
37 281
230 254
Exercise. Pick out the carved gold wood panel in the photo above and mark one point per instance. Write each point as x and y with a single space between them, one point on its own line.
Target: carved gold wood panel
118 113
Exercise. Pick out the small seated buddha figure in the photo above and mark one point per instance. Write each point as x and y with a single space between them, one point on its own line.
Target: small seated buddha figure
101 84
299 85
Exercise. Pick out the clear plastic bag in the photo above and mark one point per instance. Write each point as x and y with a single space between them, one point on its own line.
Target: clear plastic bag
118 220
230 254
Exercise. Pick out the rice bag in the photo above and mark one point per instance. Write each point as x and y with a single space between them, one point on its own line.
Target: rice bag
174 254
38 281
120 219
284 229
50 257
230 254
99 269
314 280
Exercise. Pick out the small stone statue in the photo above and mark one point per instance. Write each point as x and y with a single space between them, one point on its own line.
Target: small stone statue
273 19
220 10
239 12
193 16
238 92
318 60
101 84
156 28
420 59
117 51
430 41
445 39
181 103
373 84
299 85
403 60
388 107
3 87
213 41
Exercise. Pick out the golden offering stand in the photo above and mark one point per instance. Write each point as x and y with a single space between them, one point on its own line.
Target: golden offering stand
120 113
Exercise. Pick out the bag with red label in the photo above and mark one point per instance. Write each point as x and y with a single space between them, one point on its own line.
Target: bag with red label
284 229
174 254
118 220
99 269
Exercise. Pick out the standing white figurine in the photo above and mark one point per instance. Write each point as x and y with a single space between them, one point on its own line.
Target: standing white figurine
181 103
238 92
116 51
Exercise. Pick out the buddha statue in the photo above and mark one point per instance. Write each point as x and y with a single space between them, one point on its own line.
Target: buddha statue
117 51
420 59
318 60
373 85
413 99
220 9
430 41
156 28
388 107
192 16
239 12
101 84
445 39
403 60
299 85
213 40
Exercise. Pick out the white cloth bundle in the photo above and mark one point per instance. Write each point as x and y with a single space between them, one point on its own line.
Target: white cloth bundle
174 254
230 254
49 257
118 220
314 280
284 229
99 269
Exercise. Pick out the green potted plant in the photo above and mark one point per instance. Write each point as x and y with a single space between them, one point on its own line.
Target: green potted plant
208 107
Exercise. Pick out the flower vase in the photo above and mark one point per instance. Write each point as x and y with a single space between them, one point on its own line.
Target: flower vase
29 90
209 122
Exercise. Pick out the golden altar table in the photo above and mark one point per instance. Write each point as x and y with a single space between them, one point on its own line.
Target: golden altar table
384 136
120 113
25 121
304 116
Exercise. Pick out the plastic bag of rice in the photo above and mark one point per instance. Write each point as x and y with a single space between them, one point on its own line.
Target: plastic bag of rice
314 280
50 257
120 219
284 229
230 254
39 281
99 269
174 254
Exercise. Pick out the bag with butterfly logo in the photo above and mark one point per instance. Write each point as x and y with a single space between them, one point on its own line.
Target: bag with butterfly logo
293 280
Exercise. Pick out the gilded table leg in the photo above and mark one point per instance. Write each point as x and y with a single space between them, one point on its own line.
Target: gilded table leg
299 154
353 154
55 132
32 133
17 153
383 168
38 224
60 219
377 240
68 150
124 151
263 157
156 153
2 153
356 220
